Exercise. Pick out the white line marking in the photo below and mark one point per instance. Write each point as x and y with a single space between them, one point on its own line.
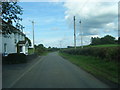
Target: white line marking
25 72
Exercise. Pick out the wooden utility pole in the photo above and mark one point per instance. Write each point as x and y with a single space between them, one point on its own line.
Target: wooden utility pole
33 36
74 34
81 35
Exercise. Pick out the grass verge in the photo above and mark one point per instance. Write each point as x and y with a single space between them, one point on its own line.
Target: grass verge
30 51
95 66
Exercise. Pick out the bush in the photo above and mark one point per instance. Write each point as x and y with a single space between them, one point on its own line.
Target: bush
108 53
15 58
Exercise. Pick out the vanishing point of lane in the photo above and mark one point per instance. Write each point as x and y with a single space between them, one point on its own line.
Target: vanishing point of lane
52 71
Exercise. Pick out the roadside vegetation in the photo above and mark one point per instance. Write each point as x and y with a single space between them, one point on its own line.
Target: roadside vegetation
96 66
106 45
14 58
30 51
104 53
100 58
18 58
52 49
41 50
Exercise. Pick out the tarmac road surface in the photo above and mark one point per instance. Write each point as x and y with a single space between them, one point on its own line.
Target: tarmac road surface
53 71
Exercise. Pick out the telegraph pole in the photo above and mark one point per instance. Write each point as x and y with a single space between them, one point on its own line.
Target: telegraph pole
33 35
81 35
74 34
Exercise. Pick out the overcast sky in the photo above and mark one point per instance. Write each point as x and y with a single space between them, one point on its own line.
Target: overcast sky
54 21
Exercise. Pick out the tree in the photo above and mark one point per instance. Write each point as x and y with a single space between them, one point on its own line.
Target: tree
41 46
95 41
49 47
108 40
10 14
40 49
104 40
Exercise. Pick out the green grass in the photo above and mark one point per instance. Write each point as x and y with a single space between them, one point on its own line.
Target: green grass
97 67
106 45
30 51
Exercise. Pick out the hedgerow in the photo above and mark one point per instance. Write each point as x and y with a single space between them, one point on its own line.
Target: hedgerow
15 58
107 53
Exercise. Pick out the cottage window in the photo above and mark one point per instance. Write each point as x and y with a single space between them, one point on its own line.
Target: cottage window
5 48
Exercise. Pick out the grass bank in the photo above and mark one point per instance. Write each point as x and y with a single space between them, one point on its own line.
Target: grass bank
100 68
106 45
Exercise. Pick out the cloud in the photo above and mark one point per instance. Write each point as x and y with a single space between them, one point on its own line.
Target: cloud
66 0
39 0
56 42
95 16
53 42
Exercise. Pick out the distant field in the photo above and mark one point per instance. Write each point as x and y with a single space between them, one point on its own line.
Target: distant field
95 66
107 45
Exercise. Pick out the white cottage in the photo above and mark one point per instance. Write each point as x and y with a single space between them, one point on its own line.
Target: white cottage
15 42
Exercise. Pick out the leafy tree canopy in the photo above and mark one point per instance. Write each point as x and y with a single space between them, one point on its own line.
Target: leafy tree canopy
40 48
107 40
104 40
10 13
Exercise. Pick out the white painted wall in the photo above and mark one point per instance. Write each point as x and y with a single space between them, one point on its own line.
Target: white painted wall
10 44
11 41
19 37
24 49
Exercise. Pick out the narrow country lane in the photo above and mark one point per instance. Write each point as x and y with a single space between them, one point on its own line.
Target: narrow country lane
53 71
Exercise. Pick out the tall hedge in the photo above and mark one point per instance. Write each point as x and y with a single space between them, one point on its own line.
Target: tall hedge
15 58
108 53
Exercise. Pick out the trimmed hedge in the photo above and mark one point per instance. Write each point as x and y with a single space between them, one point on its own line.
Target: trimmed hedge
108 53
15 58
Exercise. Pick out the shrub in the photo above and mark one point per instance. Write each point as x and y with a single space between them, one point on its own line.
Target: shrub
108 53
15 58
